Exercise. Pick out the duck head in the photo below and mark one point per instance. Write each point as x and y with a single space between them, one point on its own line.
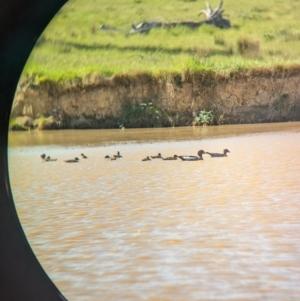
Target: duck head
226 151
201 152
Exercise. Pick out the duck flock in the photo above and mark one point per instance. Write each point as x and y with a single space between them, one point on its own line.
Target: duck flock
189 158
75 160
148 158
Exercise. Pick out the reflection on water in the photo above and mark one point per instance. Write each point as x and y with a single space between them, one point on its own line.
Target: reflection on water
217 229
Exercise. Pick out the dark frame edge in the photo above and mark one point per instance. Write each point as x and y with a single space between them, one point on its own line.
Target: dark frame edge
21 275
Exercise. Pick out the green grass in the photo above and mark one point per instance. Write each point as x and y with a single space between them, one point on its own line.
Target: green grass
71 46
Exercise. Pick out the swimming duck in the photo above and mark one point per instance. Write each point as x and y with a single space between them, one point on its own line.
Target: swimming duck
75 160
49 159
83 156
107 157
171 158
118 155
214 155
193 158
113 158
157 157
146 159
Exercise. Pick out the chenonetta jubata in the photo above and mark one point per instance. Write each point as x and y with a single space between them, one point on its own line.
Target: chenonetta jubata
214 155
75 160
193 158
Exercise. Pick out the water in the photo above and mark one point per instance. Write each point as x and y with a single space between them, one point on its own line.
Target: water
217 229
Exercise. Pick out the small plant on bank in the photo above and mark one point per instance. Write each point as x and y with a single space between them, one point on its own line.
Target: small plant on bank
204 118
15 126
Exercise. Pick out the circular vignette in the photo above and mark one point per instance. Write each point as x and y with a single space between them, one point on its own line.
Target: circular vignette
21 275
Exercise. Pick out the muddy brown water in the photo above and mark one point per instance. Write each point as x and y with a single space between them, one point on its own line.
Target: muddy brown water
217 229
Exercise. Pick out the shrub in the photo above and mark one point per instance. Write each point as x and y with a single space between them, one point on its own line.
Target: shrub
21 123
204 118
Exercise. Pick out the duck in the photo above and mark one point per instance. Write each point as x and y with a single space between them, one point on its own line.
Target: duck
193 158
75 160
118 155
83 156
157 157
49 159
214 155
171 158
146 159
107 157
112 158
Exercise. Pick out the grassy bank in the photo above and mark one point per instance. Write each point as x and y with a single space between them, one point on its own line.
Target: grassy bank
263 35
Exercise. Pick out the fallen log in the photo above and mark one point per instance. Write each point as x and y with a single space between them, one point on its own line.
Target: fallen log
144 27
213 17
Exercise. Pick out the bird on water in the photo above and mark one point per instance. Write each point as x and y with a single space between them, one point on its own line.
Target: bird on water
75 160
171 158
193 158
157 157
215 155
47 158
118 155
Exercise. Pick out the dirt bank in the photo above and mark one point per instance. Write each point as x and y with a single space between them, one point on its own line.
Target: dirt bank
143 100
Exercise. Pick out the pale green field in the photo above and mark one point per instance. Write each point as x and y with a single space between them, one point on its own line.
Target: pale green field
72 46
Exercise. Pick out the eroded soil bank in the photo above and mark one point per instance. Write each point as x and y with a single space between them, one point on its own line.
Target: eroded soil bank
143 100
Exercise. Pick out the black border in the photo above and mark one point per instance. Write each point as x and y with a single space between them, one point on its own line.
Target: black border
21 275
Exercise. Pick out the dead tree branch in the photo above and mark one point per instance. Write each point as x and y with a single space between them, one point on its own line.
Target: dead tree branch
215 16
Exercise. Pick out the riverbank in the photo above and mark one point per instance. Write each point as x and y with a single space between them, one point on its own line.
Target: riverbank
81 76
170 99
